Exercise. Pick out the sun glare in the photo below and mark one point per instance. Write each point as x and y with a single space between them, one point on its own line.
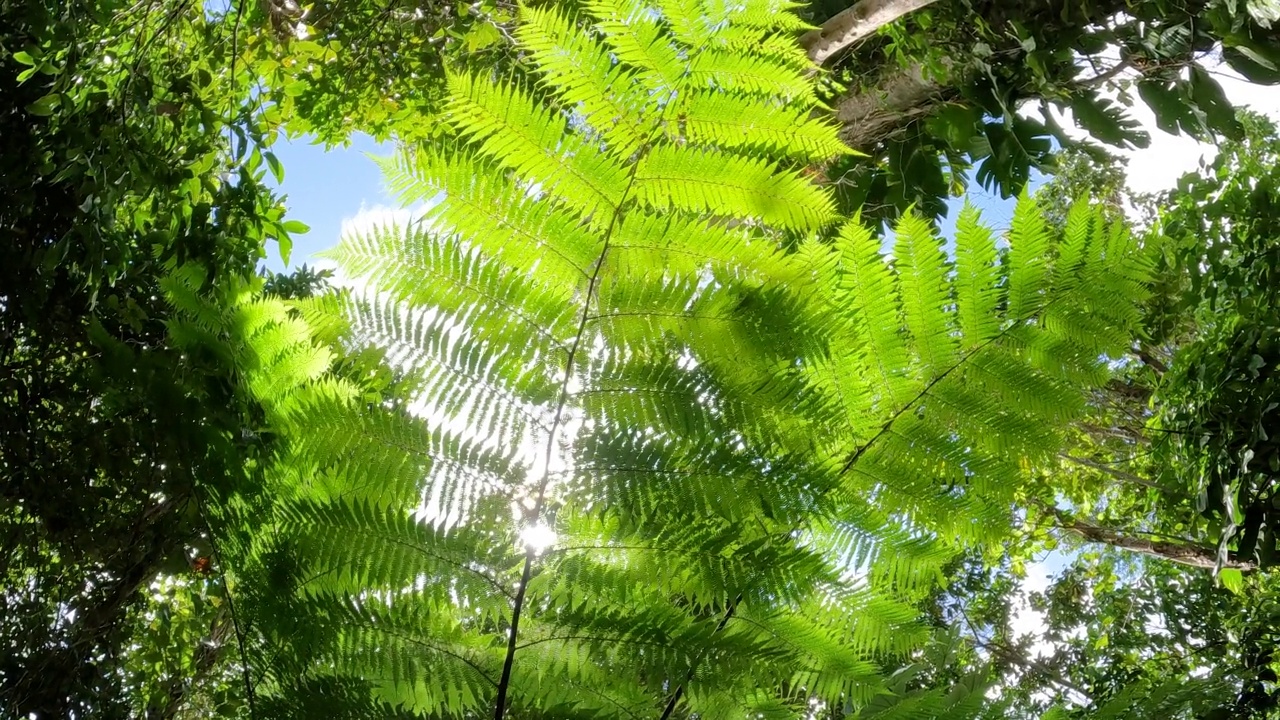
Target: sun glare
538 537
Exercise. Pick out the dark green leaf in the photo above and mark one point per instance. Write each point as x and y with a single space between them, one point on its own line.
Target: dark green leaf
1168 104
277 170
1255 66
45 105
1218 110
1106 122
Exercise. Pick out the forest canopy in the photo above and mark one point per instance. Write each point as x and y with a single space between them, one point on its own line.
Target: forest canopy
672 399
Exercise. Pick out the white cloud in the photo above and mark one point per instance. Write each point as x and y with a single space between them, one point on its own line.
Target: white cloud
369 218
1168 157
1159 166
1026 620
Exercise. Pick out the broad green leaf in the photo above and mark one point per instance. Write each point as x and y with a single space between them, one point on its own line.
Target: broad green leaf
45 105
1232 580
1218 110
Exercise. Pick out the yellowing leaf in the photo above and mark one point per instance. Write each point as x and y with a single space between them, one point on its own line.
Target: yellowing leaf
1232 580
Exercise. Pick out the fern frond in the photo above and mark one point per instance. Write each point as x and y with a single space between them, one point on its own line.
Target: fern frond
737 121
752 462
1076 238
977 275
636 38
926 298
515 131
336 537
756 75
766 14
495 215
606 94
1028 259
874 310
711 182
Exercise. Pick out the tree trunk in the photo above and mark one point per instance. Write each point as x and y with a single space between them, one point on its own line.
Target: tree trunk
853 24
895 96
1183 553
873 114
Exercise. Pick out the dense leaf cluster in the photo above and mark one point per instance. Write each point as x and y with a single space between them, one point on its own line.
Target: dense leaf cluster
754 462
635 418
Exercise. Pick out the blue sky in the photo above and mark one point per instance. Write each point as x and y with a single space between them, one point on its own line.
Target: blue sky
326 187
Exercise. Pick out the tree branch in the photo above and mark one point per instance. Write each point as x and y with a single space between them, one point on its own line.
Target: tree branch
1151 361
1106 75
853 24
875 113
1191 555
1113 472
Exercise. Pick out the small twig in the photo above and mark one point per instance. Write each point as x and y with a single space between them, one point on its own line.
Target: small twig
1103 77
231 609
679 693
1113 472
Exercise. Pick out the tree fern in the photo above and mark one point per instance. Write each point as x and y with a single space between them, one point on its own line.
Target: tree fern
754 462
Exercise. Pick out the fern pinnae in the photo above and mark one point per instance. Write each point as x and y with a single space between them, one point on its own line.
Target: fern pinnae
731 121
1027 258
674 701
587 79
686 247
977 275
910 404
637 39
922 271
772 15
508 125
615 216
496 216
706 398
872 307
670 177
1077 237
335 530
494 369
758 75
457 274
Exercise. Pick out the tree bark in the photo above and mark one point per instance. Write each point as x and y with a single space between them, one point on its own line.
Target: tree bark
895 96
1189 554
853 24
875 113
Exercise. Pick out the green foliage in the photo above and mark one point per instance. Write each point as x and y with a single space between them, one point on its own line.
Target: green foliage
976 64
113 167
631 421
127 147
330 69
1119 639
1220 392
755 463
1080 176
